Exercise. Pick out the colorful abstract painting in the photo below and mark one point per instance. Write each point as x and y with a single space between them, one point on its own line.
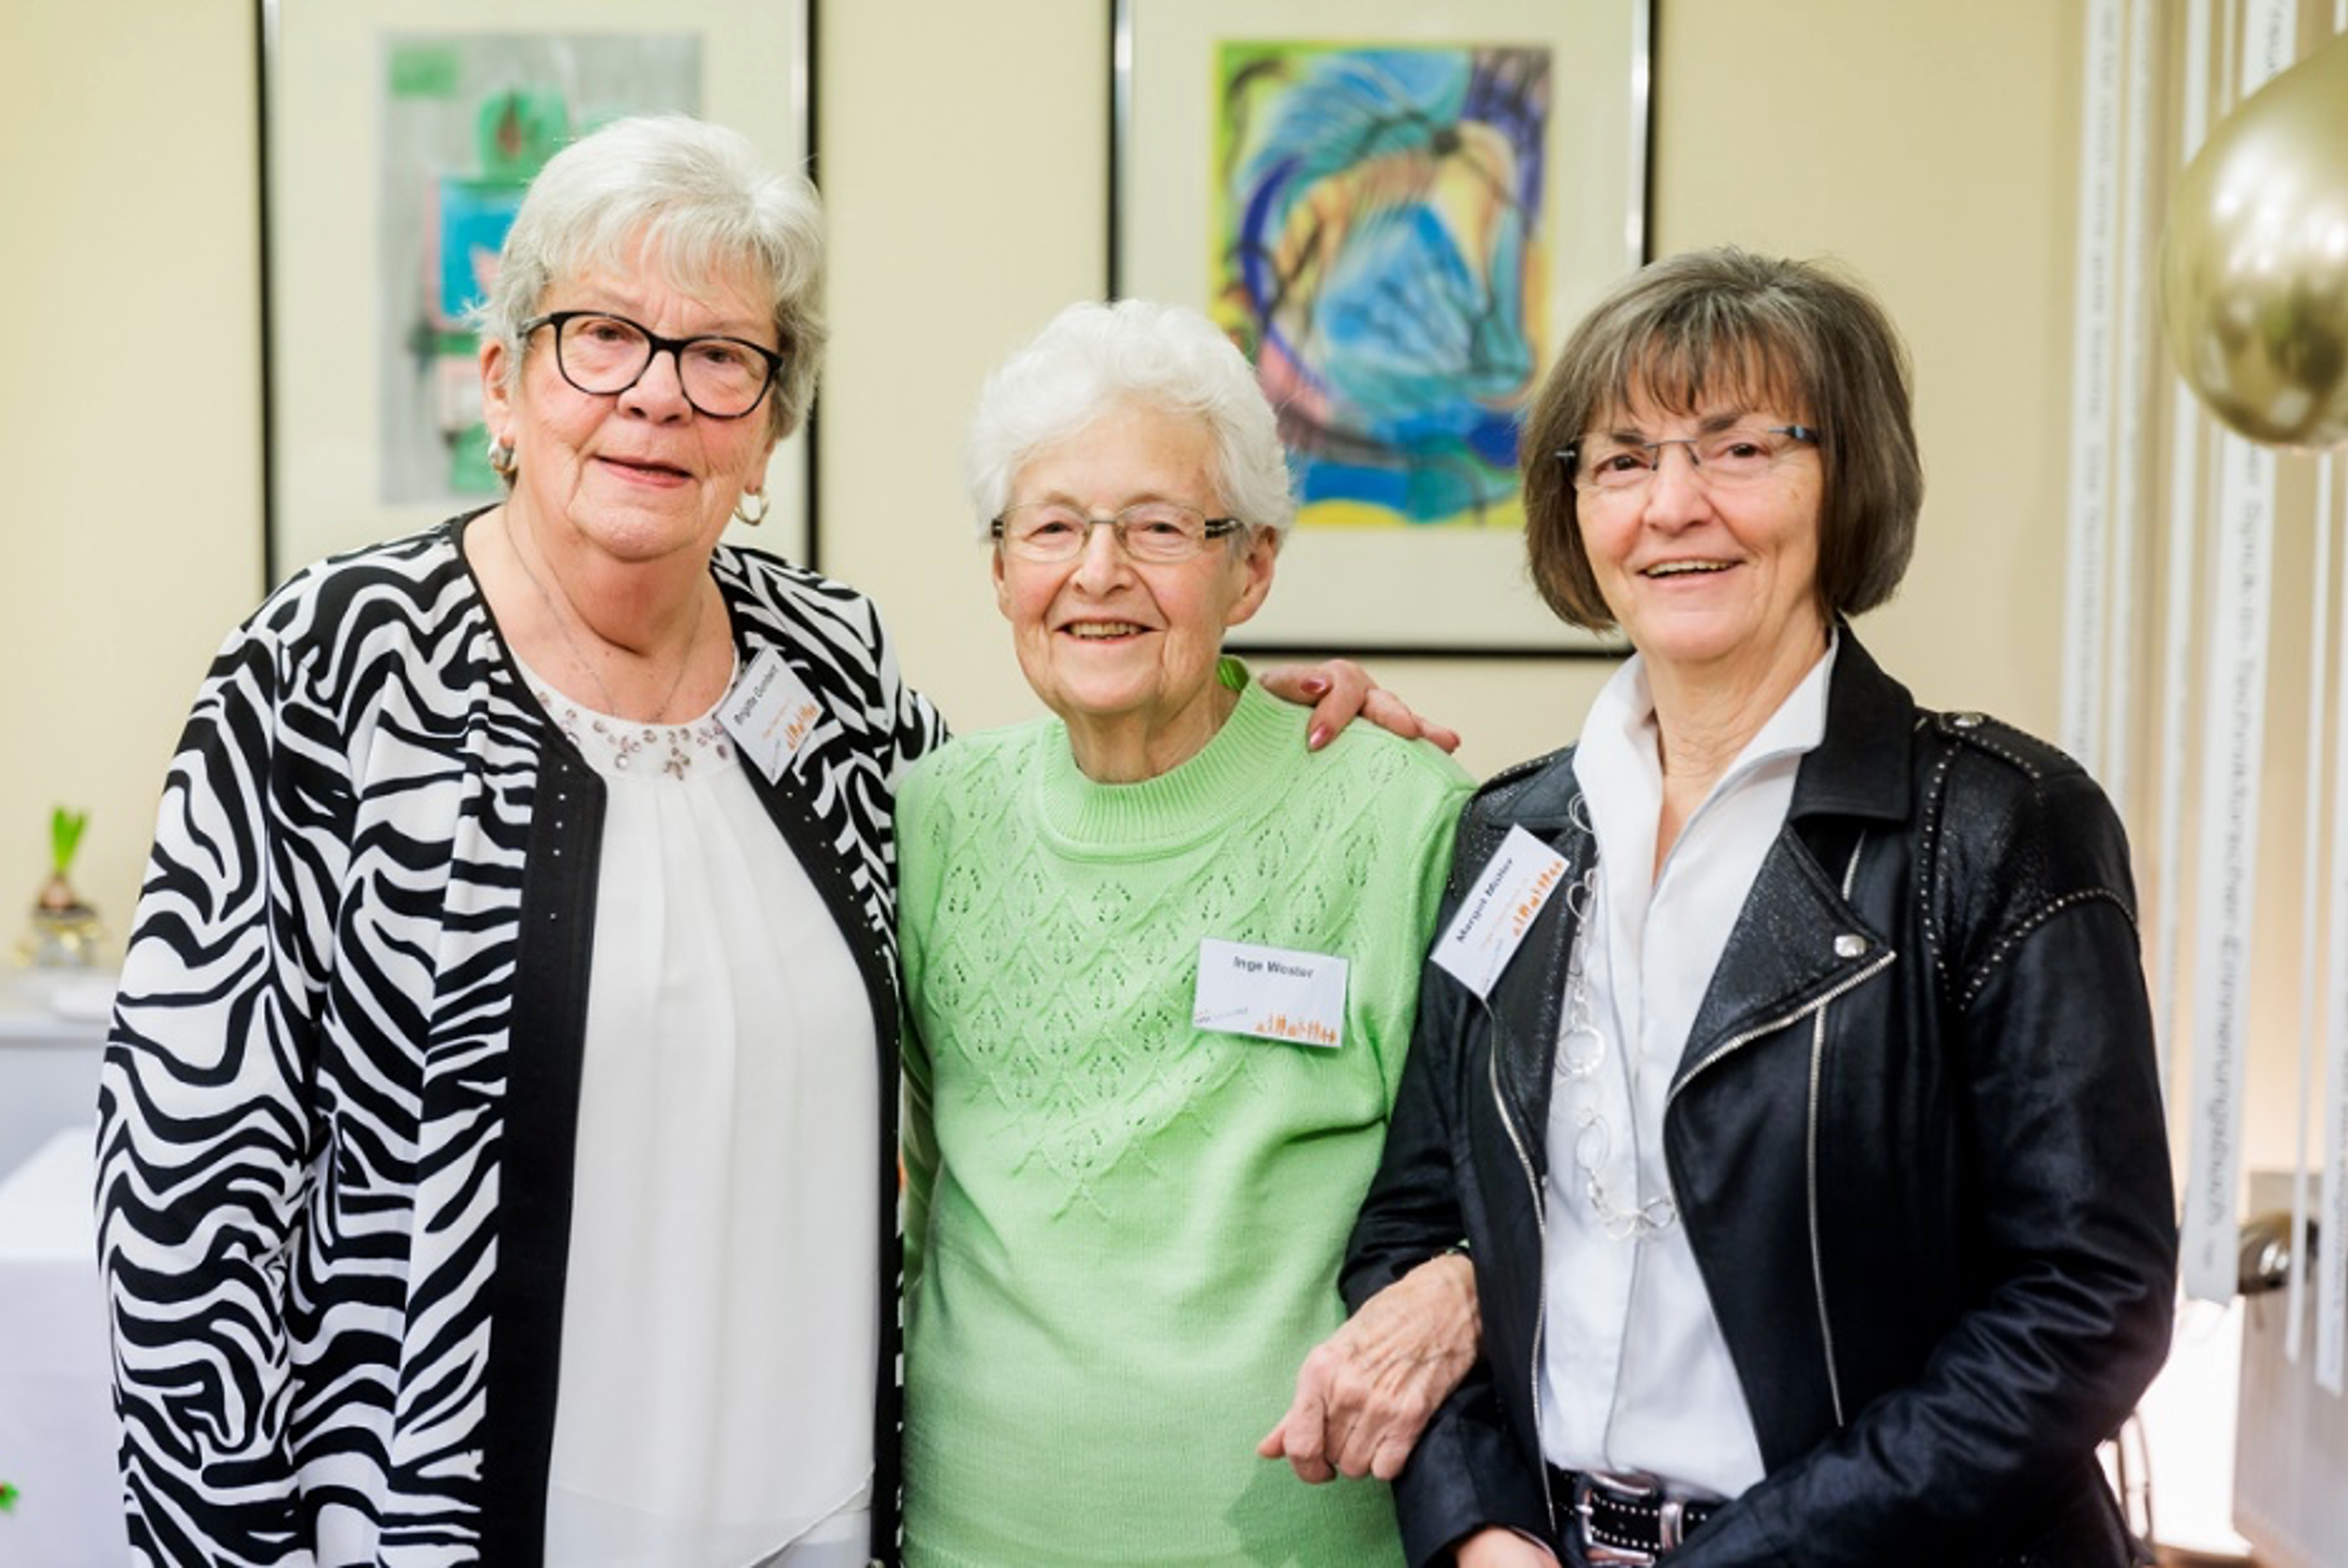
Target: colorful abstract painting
1378 250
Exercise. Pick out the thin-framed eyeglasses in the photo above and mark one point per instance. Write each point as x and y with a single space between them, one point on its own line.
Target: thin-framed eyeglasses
1722 460
1159 531
603 355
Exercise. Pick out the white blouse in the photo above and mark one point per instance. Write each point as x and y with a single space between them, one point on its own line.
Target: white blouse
1636 1375
718 1335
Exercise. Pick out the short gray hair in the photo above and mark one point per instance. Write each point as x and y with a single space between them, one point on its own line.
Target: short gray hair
704 201
1094 357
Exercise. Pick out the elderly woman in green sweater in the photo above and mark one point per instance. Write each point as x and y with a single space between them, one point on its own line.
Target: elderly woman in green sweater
1161 965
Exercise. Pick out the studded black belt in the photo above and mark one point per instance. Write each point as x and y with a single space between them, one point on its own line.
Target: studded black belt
1627 1521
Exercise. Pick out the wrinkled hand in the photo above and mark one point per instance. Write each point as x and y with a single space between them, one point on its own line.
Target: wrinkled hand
1502 1548
1341 691
1365 1392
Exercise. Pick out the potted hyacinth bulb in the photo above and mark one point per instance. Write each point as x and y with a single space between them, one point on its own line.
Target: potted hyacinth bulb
65 932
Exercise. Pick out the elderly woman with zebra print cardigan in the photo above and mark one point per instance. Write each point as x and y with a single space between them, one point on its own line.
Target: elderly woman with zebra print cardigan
497 1127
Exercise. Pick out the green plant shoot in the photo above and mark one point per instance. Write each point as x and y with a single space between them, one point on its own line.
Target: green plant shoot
64 836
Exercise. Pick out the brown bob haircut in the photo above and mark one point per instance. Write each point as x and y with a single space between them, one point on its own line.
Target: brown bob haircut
1726 327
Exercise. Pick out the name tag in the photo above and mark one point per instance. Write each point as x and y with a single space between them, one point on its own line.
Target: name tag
1523 875
769 713
1272 993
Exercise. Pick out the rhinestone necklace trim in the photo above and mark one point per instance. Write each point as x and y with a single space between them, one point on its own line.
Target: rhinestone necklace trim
626 744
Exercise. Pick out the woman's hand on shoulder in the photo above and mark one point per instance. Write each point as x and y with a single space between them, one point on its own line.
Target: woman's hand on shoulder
1495 1547
1340 691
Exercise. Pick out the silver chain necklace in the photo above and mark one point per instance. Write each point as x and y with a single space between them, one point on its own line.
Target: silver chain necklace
1581 1053
562 628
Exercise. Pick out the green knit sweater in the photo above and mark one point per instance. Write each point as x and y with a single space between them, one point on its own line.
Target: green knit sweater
1124 1233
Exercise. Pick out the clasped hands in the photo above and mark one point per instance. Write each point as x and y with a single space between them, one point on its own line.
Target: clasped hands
1365 1392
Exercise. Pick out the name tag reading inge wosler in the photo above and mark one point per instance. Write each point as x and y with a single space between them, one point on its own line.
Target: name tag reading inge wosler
1272 993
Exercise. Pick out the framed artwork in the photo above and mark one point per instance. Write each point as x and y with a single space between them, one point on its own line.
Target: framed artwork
1398 218
398 139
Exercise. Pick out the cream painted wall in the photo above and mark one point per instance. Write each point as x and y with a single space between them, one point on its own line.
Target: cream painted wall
1935 160
1011 161
130 431
1931 148
967 184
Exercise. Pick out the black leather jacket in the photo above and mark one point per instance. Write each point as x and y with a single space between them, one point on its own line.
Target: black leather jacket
1916 1138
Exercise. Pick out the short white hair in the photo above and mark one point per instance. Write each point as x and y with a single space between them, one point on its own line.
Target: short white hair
1135 354
703 201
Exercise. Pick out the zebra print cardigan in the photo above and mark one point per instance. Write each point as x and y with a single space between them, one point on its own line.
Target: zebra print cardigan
338 1103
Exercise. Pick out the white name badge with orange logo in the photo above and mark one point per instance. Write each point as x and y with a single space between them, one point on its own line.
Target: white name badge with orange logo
1272 993
769 713
1523 875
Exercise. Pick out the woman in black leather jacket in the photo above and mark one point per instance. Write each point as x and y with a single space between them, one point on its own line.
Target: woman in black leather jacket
1784 1064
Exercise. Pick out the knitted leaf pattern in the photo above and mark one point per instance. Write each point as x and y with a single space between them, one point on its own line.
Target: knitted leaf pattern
1063 991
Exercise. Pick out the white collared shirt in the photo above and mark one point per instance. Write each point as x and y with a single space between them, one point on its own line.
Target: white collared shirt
1634 1374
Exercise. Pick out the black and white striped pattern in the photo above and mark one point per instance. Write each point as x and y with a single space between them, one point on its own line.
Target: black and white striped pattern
312 1089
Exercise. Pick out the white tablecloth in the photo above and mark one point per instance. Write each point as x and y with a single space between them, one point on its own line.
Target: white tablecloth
52 1030
56 1409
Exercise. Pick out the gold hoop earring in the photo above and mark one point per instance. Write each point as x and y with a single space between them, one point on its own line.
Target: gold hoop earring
502 460
750 518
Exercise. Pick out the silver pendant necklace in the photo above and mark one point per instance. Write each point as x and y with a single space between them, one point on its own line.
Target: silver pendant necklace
1582 1052
570 644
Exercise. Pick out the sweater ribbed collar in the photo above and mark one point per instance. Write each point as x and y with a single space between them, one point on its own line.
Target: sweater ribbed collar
1182 805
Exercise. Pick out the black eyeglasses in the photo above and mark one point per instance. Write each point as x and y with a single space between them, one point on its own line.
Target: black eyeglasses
603 355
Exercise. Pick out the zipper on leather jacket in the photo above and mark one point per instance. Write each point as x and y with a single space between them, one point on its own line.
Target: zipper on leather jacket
1541 1232
1809 1161
1817 1251
1737 1042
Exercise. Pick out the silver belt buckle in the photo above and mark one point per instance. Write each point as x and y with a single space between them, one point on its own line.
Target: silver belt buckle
1587 1485
1670 1523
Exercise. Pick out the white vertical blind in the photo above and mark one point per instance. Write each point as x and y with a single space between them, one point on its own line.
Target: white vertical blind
2132 399
2331 1296
2311 892
2086 540
2226 861
2226 856
2187 437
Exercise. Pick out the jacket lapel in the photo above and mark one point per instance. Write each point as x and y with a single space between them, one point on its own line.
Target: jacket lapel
1869 717
1798 939
1794 942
